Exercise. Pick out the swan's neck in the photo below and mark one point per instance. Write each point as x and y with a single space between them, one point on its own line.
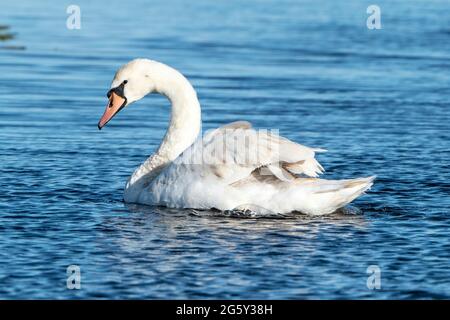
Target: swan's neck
184 125
185 119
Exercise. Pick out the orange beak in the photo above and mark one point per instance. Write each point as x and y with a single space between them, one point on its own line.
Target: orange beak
116 103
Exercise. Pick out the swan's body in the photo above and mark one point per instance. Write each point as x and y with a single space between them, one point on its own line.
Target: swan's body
232 167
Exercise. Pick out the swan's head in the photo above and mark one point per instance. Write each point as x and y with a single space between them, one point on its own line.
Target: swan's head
132 82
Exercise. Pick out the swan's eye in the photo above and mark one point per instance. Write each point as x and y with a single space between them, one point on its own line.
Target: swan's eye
125 81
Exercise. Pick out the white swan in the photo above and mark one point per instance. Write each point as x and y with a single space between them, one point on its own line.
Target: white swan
232 167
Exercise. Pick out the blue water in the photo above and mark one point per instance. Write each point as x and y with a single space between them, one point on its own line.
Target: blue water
378 100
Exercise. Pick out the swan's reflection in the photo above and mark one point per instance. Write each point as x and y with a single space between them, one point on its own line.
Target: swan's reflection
141 226
205 253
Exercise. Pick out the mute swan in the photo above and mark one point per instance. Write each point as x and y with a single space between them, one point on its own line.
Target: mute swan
234 167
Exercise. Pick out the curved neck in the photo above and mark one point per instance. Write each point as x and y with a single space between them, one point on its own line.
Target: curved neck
185 119
184 125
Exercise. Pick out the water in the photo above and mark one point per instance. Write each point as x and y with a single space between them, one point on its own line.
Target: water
378 100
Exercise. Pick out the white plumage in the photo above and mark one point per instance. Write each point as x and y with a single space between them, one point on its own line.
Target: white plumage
234 167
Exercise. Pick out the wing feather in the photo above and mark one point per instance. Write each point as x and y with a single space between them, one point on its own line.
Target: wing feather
233 151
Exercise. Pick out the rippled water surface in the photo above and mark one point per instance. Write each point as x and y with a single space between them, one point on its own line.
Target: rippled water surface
378 100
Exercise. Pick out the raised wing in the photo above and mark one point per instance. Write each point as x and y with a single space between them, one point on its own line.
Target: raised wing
232 152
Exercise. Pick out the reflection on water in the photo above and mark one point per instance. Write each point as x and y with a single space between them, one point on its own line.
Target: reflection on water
4 34
212 219
222 245
376 99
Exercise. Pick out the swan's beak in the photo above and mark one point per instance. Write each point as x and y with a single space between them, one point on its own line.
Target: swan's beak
116 103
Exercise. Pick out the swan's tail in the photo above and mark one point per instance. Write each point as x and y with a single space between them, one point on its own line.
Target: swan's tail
329 195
